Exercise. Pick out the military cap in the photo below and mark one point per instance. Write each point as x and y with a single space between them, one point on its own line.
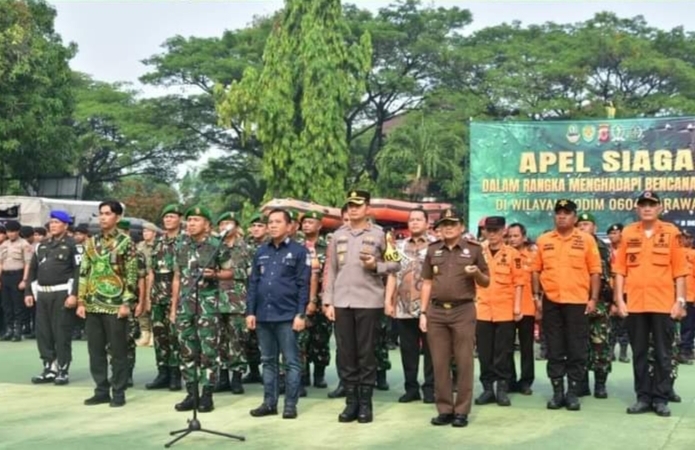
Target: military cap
26 231
63 216
82 228
199 211
587 217
358 197
566 205
312 215
149 226
229 215
258 218
648 197
123 224
294 215
615 227
495 223
173 208
12 225
449 215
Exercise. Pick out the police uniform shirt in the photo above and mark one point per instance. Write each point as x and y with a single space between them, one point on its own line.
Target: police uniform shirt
55 263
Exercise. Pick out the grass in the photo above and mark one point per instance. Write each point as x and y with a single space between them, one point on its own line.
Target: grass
47 416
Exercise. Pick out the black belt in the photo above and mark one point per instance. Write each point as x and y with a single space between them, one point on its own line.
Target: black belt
450 305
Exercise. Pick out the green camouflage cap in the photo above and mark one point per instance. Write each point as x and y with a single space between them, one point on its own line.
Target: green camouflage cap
229 215
123 224
258 217
199 211
294 215
312 215
587 217
173 208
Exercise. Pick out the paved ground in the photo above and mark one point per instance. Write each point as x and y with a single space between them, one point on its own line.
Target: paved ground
51 417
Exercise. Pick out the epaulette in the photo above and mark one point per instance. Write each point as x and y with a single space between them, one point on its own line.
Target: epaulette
472 241
437 242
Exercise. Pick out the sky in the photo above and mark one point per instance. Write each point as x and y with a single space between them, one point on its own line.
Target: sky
114 37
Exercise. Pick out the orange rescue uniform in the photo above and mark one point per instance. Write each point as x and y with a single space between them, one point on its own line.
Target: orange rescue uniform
528 306
690 279
649 265
496 302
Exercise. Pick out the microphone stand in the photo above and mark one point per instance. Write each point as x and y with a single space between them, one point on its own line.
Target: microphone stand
194 423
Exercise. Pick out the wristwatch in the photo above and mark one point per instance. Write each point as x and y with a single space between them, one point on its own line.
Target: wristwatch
681 302
301 316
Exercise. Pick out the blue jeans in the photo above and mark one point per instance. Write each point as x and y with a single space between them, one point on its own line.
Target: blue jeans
276 337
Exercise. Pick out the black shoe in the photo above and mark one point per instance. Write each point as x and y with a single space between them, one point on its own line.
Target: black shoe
264 410
409 397
525 389
600 379
222 384
320 377
7 336
117 401
339 392
174 379
97 400
460 421
47 376
289 413
62 378
161 381
351 410
583 387
674 398
442 419
427 396
188 403
206 404
558 400
623 355
639 408
486 397
662 410
683 359
254 376
236 385
365 413
502 397
381 383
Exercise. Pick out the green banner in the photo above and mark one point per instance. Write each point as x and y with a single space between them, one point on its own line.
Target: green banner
519 169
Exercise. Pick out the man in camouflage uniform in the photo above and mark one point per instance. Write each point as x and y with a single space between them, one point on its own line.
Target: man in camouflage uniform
159 288
319 328
149 234
599 359
233 307
136 309
258 234
202 261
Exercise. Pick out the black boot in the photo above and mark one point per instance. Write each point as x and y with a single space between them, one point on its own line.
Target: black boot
206 403
236 386
161 381
502 397
487 397
306 377
62 378
623 354
281 384
571 398
17 333
188 402
600 378
320 377
558 400
47 376
254 375
339 392
130 377
352 407
8 334
364 413
583 389
174 379
381 383
222 384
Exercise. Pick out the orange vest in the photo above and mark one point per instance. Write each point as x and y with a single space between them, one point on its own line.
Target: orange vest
496 302
528 306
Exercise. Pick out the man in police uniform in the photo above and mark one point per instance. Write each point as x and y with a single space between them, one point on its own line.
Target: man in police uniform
53 276
15 257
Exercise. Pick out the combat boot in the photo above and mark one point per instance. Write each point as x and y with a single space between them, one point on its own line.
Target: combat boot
339 392
174 379
17 333
600 378
161 381
130 377
236 386
364 412
487 396
188 402
502 397
47 376
306 377
254 375
352 406
8 334
62 378
558 400
571 398
222 384
583 389
281 384
206 403
623 354
320 377
381 383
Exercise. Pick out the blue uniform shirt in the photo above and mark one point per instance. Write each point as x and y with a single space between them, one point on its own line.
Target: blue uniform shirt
279 282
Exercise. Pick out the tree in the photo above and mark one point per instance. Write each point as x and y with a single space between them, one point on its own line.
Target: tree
36 99
120 135
311 77
144 198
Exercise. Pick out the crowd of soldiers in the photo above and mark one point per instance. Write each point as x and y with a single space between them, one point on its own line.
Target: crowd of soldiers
450 296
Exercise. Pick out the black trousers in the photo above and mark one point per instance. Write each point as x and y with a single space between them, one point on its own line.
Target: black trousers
107 330
14 312
412 340
525 328
566 333
54 325
356 333
659 329
495 344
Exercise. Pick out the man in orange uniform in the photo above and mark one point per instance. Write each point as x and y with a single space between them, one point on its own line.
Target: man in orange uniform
524 327
568 268
650 267
686 355
499 306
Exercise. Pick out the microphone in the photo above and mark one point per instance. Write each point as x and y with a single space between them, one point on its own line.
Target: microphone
226 230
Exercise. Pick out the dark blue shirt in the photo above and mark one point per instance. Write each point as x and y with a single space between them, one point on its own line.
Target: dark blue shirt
279 282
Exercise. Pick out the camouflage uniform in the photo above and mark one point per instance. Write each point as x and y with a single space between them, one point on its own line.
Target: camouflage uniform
382 346
133 324
674 352
162 261
252 348
599 323
319 328
190 256
232 309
